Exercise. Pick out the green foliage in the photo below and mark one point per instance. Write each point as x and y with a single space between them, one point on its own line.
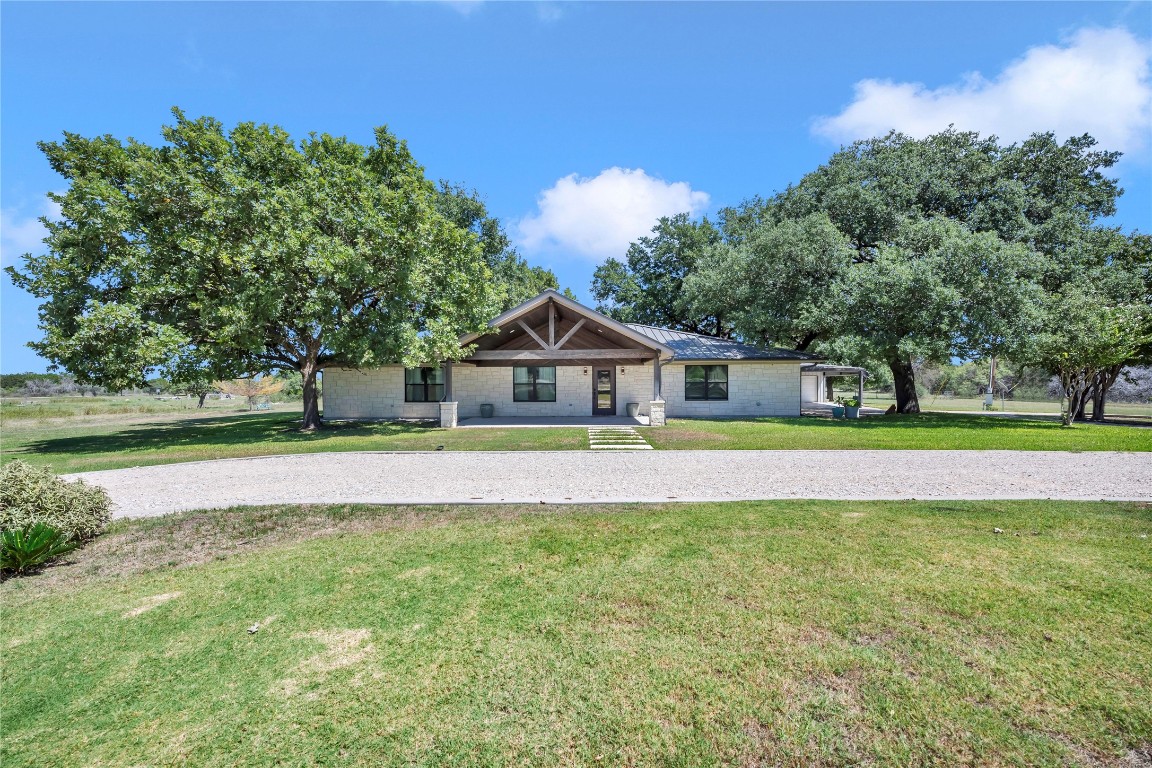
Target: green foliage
25 549
901 251
772 284
243 252
649 288
20 380
31 495
1085 335
514 279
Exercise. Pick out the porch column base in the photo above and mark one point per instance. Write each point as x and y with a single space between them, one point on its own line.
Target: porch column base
448 414
656 413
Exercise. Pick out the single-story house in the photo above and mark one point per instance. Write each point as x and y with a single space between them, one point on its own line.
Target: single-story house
552 357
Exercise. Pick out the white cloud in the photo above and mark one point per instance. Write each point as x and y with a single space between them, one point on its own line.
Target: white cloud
600 216
464 7
1097 83
20 234
549 12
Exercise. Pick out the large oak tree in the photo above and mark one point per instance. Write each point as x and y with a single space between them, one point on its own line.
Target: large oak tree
901 250
244 252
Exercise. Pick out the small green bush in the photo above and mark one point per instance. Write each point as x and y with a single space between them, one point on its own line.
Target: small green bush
27 549
30 495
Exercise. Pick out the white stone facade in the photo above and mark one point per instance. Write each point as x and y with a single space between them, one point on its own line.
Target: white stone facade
379 393
755 388
373 393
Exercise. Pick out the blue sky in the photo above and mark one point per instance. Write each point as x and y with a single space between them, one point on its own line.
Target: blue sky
579 123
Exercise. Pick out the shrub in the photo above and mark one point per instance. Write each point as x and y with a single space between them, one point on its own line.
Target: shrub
26 549
30 495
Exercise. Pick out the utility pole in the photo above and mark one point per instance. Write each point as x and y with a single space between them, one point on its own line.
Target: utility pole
989 397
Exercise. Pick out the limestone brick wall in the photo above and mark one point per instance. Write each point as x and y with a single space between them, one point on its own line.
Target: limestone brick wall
376 393
754 389
476 385
379 393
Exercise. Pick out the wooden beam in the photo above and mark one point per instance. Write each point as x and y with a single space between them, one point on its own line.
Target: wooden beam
551 326
570 333
532 333
562 354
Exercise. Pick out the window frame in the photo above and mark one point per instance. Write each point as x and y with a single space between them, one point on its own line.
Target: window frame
423 384
708 382
534 383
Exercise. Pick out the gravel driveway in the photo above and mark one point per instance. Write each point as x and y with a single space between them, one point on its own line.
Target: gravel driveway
585 476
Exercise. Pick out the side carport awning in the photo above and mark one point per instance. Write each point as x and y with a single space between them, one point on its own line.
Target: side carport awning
839 370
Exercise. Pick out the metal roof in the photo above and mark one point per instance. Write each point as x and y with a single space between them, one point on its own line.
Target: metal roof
835 369
693 346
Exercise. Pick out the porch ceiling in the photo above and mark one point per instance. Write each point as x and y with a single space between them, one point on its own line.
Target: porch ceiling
550 334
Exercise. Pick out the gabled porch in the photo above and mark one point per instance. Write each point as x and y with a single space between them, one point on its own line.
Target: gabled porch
551 361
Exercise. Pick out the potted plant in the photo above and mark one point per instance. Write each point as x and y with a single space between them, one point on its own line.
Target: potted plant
838 409
852 408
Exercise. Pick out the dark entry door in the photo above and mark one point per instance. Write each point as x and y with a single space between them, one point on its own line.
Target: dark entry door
603 391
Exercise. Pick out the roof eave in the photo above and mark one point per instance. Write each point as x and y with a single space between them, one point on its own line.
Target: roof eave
575 306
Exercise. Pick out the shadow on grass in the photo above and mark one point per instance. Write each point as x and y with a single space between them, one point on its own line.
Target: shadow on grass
218 432
914 421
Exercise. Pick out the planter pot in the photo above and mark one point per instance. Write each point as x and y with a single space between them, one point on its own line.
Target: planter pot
852 413
837 411
487 410
633 409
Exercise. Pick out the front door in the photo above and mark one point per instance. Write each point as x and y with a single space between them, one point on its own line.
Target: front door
603 391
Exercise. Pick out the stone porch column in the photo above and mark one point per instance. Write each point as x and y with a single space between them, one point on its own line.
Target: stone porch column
656 407
448 414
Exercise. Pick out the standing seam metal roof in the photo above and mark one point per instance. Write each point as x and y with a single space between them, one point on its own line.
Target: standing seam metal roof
693 346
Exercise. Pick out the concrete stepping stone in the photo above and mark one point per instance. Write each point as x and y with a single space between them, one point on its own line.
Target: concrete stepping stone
616 439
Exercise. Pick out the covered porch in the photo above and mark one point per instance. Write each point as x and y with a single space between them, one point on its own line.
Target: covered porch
553 362
816 381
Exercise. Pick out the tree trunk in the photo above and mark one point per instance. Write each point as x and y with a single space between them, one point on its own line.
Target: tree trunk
311 419
1077 387
1104 381
904 384
203 397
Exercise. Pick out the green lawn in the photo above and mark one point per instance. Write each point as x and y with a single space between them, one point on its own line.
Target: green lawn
71 445
116 441
940 431
941 403
775 633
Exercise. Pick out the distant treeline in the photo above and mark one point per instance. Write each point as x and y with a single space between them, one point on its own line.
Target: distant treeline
45 385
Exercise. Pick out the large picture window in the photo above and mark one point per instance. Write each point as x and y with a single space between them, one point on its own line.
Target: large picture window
534 384
423 385
705 382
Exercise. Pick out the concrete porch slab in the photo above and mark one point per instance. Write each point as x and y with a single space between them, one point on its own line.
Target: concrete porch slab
587 422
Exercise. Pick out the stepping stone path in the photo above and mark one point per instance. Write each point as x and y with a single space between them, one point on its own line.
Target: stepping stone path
616 439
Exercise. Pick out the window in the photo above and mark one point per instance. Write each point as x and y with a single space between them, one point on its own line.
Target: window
534 384
423 385
705 382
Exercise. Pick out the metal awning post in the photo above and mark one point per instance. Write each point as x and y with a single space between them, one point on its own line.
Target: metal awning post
860 387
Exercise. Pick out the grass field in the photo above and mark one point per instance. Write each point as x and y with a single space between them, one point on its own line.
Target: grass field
84 443
80 445
942 431
775 633
24 409
931 403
